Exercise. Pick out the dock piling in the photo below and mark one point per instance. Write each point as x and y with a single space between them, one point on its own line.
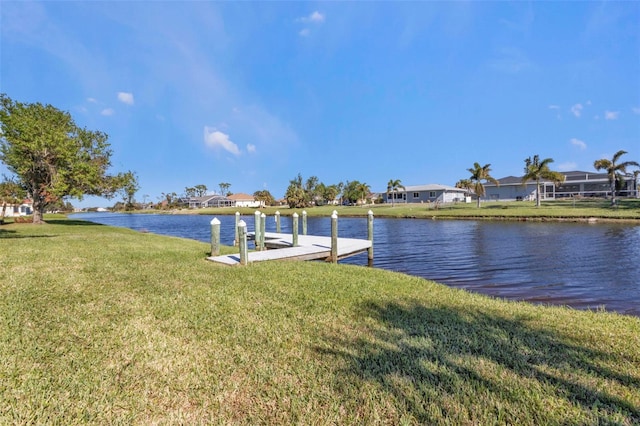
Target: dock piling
277 221
256 222
294 227
263 224
235 233
334 237
242 235
304 222
215 237
370 238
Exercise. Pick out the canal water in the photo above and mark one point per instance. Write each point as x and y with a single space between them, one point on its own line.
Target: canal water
585 266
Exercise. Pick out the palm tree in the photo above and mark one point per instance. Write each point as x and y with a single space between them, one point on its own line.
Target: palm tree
536 170
615 171
392 188
478 174
465 184
363 190
224 188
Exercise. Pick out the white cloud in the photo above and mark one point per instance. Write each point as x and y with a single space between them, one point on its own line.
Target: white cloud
107 112
611 115
305 32
567 166
251 148
215 139
92 100
554 107
577 142
577 110
635 110
125 97
316 17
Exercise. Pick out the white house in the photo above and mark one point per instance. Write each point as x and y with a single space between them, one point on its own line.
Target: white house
245 200
14 210
429 193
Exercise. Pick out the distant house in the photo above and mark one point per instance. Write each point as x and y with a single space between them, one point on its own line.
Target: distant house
209 201
429 193
245 200
14 210
577 183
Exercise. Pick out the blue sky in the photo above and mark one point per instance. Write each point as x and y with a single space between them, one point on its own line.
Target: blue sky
253 93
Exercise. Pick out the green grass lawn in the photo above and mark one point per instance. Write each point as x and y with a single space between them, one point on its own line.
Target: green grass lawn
627 209
102 325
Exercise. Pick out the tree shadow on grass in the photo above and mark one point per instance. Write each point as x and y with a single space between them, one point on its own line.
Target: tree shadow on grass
72 222
426 355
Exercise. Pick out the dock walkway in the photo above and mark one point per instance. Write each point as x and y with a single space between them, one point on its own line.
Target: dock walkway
310 247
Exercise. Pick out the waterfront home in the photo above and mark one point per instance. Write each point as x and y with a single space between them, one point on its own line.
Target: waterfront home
577 183
209 201
430 193
25 208
245 200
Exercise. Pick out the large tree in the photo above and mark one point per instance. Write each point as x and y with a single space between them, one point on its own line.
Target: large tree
478 174
224 188
355 191
265 196
392 188
537 170
615 170
331 192
51 156
200 190
296 195
128 186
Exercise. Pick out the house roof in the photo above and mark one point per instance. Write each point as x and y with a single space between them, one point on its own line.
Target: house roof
575 175
206 198
431 187
241 197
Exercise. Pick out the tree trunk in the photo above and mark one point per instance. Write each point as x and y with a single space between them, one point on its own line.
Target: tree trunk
537 194
38 208
613 193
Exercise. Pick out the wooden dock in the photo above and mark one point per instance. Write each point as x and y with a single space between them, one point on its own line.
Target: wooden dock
310 247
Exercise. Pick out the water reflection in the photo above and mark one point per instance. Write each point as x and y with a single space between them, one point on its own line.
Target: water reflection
579 265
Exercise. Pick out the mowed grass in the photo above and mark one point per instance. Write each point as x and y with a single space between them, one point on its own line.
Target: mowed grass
102 325
582 209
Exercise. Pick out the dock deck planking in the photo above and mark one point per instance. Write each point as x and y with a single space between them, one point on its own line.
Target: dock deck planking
310 247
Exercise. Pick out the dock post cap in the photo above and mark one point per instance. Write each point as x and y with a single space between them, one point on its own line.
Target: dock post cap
263 215
370 213
304 212
215 221
334 215
334 212
295 215
278 212
237 213
242 223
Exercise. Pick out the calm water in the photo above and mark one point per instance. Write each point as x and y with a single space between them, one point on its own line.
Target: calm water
574 264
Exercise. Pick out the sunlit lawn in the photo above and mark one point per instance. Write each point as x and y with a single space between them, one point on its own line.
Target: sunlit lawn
103 325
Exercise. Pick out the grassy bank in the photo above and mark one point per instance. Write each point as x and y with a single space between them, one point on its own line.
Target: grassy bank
104 325
585 209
